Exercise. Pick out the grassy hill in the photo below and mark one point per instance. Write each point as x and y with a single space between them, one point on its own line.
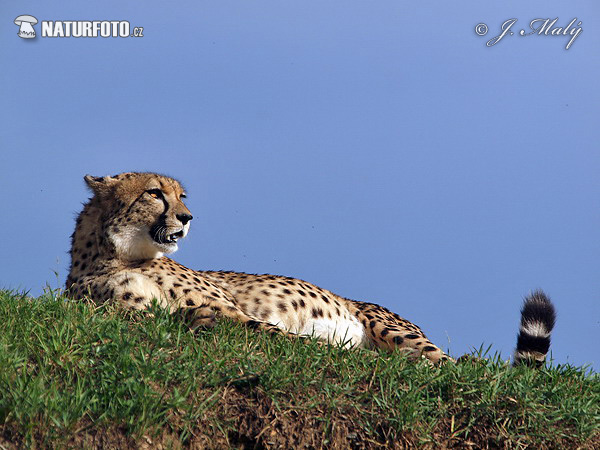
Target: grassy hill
75 375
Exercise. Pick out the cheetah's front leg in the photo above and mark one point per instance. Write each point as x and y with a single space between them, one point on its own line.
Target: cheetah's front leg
199 301
229 309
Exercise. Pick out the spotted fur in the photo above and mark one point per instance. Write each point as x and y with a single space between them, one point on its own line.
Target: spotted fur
133 219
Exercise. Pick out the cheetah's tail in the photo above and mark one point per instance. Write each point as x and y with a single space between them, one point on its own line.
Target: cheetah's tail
537 321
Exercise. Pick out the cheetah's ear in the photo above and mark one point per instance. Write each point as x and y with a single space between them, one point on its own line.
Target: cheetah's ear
100 185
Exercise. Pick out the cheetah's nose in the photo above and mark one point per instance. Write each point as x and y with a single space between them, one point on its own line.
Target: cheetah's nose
184 218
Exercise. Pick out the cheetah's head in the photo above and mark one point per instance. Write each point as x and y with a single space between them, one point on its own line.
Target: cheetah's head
142 214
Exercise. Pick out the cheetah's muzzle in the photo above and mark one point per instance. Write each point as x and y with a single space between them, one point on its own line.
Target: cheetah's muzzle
172 238
160 234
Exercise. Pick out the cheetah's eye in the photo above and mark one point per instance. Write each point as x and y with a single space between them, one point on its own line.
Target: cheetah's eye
155 193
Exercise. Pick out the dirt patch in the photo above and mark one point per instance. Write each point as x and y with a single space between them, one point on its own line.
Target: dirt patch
247 418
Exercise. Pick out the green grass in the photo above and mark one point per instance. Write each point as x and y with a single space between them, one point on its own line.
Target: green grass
75 375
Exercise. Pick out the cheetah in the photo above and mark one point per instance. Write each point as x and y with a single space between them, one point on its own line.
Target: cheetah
133 219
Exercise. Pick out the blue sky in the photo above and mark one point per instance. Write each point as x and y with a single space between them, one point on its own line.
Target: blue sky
377 149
